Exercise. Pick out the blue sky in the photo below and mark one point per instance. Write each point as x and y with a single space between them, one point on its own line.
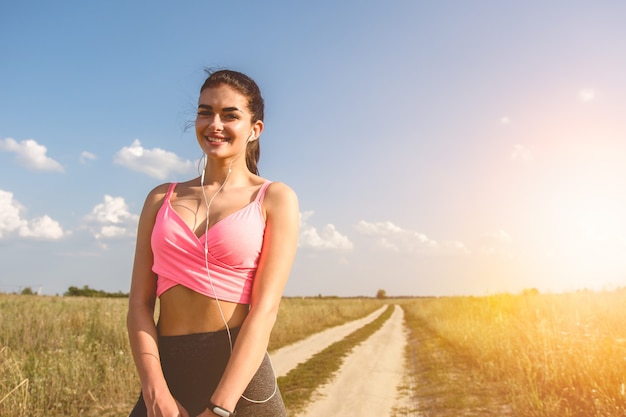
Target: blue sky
437 148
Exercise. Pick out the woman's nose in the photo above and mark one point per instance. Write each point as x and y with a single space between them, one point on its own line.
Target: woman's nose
216 123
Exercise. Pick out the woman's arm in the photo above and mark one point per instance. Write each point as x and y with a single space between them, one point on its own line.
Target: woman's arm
140 318
279 248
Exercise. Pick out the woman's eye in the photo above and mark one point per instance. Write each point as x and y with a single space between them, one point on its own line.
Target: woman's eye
231 116
204 113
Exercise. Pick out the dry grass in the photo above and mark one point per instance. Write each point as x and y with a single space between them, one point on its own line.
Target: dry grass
536 355
301 317
65 356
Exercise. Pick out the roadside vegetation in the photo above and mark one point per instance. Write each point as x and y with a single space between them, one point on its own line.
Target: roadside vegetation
301 317
69 356
526 356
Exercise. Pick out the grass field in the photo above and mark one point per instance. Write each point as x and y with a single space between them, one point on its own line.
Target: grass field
526 355
501 355
67 356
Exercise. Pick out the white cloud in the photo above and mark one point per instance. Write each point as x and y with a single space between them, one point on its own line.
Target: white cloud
30 154
505 120
112 219
521 153
12 222
42 228
386 244
388 236
377 229
586 94
329 238
113 210
155 162
112 232
10 219
86 156
455 247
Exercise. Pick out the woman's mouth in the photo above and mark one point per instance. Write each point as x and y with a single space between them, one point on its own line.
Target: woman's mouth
214 139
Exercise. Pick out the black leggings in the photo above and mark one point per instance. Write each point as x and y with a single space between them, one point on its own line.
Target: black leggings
193 365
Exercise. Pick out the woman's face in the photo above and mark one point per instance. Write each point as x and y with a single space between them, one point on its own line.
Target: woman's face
224 123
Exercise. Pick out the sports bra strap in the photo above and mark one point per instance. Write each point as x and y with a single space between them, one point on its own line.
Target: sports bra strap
170 190
261 194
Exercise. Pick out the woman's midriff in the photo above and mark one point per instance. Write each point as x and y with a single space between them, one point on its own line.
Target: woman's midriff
183 311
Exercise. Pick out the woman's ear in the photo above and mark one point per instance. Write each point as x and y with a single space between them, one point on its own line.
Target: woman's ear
257 129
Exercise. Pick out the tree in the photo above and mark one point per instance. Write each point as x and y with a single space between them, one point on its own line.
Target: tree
381 294
531 291
90 292
27 291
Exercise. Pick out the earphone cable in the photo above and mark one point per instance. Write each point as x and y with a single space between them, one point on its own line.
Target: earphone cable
206 264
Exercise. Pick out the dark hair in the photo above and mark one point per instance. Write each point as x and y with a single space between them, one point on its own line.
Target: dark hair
248 88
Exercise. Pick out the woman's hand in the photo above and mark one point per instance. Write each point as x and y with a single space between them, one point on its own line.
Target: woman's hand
168 407
207 413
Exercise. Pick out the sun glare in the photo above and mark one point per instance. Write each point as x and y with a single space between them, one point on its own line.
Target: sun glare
588 245
596 218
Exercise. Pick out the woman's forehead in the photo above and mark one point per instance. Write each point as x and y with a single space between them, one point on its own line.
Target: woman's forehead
223 94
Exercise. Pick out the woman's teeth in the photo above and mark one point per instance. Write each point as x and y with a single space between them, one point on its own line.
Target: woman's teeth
210 139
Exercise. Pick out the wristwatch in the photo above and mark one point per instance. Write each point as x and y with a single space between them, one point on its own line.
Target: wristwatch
216 409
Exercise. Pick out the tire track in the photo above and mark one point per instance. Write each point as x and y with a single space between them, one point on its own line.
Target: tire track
287 358
367 383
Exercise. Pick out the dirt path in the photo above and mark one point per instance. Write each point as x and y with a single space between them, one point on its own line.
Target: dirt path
367 382
288 357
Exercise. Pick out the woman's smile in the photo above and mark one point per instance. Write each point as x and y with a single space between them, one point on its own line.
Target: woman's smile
217 139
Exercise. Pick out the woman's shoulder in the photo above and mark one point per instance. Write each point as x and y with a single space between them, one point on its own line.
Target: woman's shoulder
279 194
159 191
278 187
155 197
274 189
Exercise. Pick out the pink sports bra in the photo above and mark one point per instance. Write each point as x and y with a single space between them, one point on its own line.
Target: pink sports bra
234 246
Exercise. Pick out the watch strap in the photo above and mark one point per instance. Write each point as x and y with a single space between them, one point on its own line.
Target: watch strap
222 412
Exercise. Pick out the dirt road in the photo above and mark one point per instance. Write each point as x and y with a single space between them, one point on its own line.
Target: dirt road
288 357
367 382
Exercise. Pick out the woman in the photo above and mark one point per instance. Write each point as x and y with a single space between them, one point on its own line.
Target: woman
217 251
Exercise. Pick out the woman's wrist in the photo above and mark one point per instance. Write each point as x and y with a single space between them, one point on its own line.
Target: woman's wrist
223 399
153 391
220 411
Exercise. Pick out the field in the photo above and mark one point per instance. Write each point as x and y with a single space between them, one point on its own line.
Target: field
69 356
526 355
501 355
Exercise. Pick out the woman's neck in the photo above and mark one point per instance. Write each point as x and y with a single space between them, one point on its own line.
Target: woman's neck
219 173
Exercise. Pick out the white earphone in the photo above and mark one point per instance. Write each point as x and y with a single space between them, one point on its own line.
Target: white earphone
208 203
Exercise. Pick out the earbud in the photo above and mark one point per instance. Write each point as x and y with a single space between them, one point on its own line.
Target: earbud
251 136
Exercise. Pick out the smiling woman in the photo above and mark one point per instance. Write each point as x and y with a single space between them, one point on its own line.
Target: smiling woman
217 252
